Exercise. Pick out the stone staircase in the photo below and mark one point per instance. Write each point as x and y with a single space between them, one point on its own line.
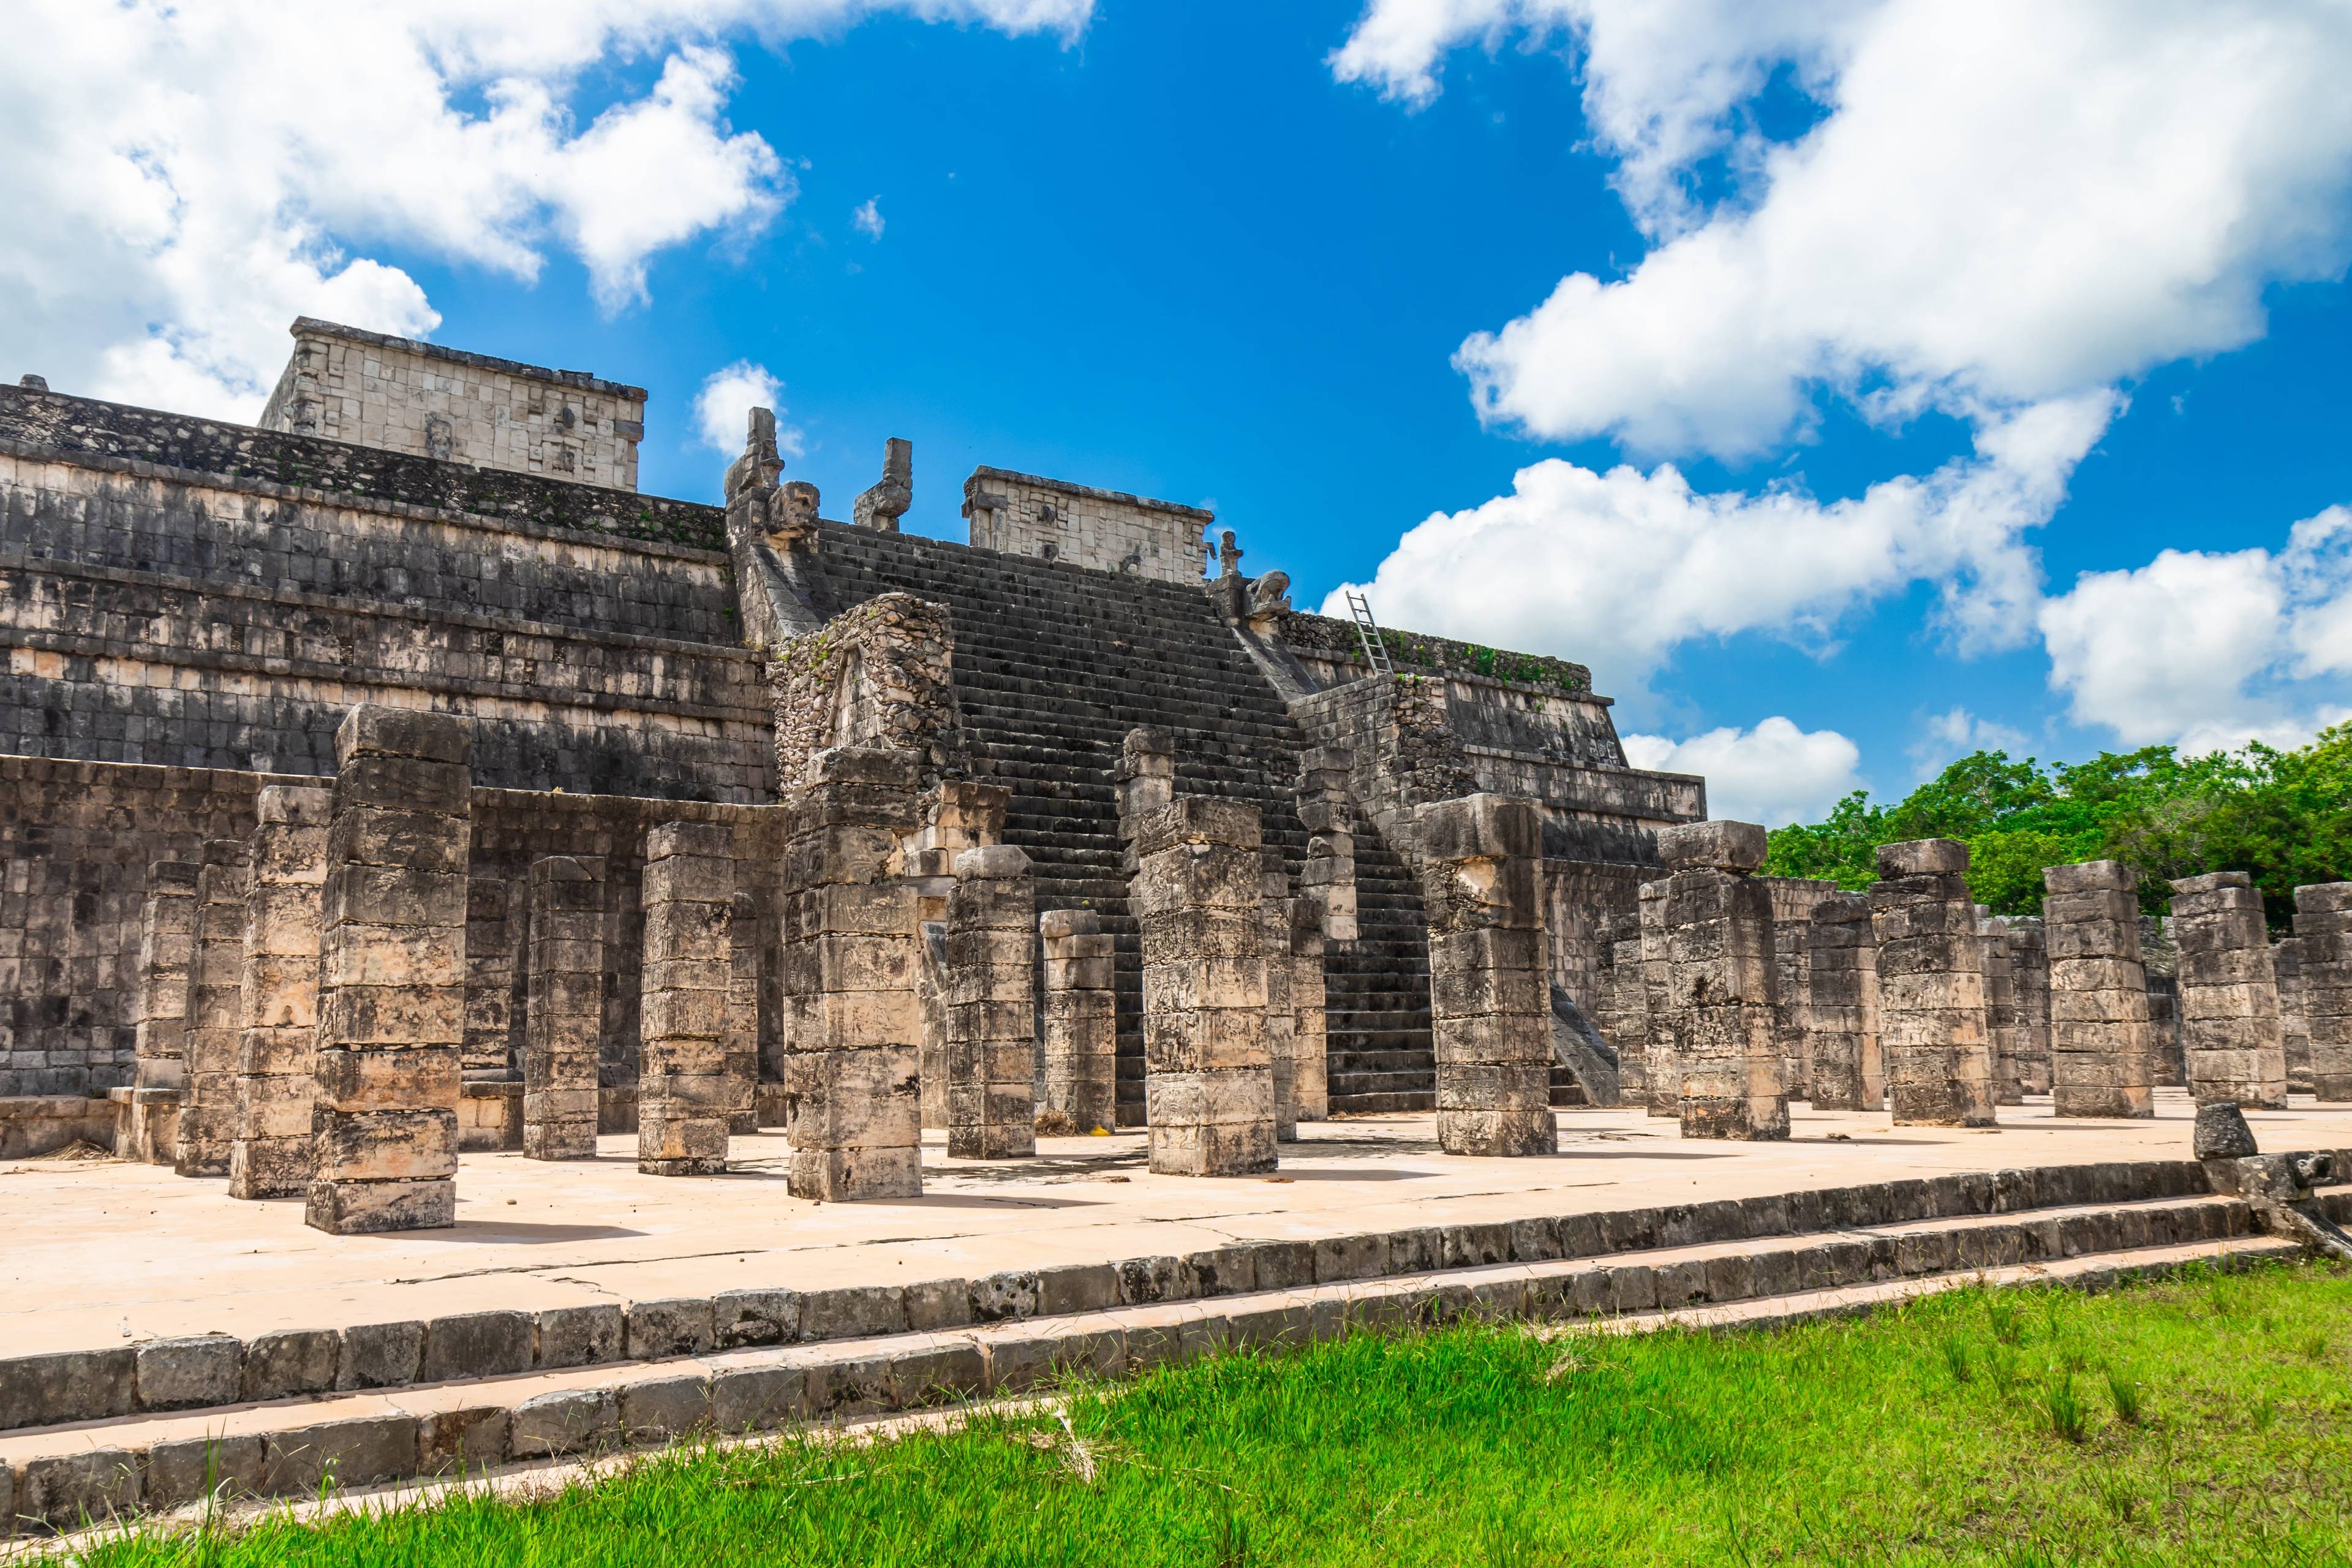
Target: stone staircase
1054 665
483 1390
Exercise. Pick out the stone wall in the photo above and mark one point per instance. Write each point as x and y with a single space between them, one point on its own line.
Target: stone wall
427 401
1023 514
880 674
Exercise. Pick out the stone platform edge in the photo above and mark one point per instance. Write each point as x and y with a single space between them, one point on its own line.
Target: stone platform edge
200 1372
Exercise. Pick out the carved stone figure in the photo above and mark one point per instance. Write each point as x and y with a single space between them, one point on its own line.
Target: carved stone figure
882 507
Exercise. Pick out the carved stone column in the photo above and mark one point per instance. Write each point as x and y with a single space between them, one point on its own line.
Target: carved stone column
2232 1047
1622 1016
167 945
1327 880
1661 1060
1281 1018
1146 782
215 1022
1310 1070
2294 1019
1842 963
392 975
1081 1043
1793 899
277 1062
2002 1027
2100 1035
991 1007
2323 924
1718 929
563 1008
1489 975
2029 958
685 1096
1931 990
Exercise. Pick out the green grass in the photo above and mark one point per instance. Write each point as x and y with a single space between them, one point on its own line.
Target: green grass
2204 1420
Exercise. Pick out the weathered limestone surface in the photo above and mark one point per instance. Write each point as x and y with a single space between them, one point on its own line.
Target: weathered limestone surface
1622 1016
2323 924
2294 1021
2029 957
564 1008
853 1024
2234 1048
2001 1024
1793 901
1327 880
1489 976
276 1067
1931 990
216 1011
1720 985
167 945
1310 1065
685 1096
1024 514
1842 1000
992 1049
1146 776
2160 958
392 996
741 1042
2100 1036
1281 1016
1081 1041
1196 894
1661 1060
957 814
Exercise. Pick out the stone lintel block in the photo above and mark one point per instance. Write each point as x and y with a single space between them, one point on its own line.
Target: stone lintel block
1923 858
374 729
404 784
698 840
991 863
2090 877
1479 827
1735 847
1061 925
879 767
2210 882
2323 899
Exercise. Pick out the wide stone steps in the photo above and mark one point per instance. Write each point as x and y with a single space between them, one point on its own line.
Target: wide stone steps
751 1361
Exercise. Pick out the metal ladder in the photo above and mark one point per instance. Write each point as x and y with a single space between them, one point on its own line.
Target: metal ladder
1368 632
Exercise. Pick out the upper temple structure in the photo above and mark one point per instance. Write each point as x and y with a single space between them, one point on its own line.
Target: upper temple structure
197 609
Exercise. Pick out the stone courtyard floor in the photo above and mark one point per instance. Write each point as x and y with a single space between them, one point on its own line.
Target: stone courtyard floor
105 1252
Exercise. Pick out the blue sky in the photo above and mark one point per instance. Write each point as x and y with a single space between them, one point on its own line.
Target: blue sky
1231 255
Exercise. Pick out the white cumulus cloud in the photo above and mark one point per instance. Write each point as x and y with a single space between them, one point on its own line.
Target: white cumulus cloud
867 218
1956 733
1775 773
2209 650
722 408
182 181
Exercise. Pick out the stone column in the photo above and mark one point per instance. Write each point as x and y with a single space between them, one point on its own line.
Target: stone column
1622 1012
1718 927
1145 775
1310 1066
957 814
1841 1002
2099 1030
1793 899
1281 1019
2322 925
2029 959
278 1063
1489 975
742 1041
391 974
1327 880
2160 962
1931 991
1209 1075
853 1086
991 1052
167 945
2295 1021
2000 1009
684 1096
563 1008
1661 1060
2234 1048
1081 1043
215 1021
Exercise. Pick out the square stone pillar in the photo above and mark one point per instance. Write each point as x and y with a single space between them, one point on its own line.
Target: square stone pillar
391 974
2100 1036
2001 1024
2029 960
992 1054
2234 1050
1661 1061
1327 880
1489 975
957 814
1081 1043
2322 925
1209 1074
215 1021
853 1090
742 1038
2294 1020
278 1063
1311 1062
563 1007
1719 981
1281 1018
1622 1012
1931 986
1146 776
167 945
1841 1002
685 1096
1793 899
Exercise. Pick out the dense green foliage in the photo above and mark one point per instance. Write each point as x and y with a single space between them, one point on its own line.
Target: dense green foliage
2285 817
2207 1419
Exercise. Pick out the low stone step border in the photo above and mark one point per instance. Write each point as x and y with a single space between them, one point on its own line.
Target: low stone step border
468 1431
200 1372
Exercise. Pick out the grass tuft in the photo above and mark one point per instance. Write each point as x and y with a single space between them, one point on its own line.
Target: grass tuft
2124 1393
2063 1408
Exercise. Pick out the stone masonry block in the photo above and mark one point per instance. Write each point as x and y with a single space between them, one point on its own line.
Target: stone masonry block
1712 845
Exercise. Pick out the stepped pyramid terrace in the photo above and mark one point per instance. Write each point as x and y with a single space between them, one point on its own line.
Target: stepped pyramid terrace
555 966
